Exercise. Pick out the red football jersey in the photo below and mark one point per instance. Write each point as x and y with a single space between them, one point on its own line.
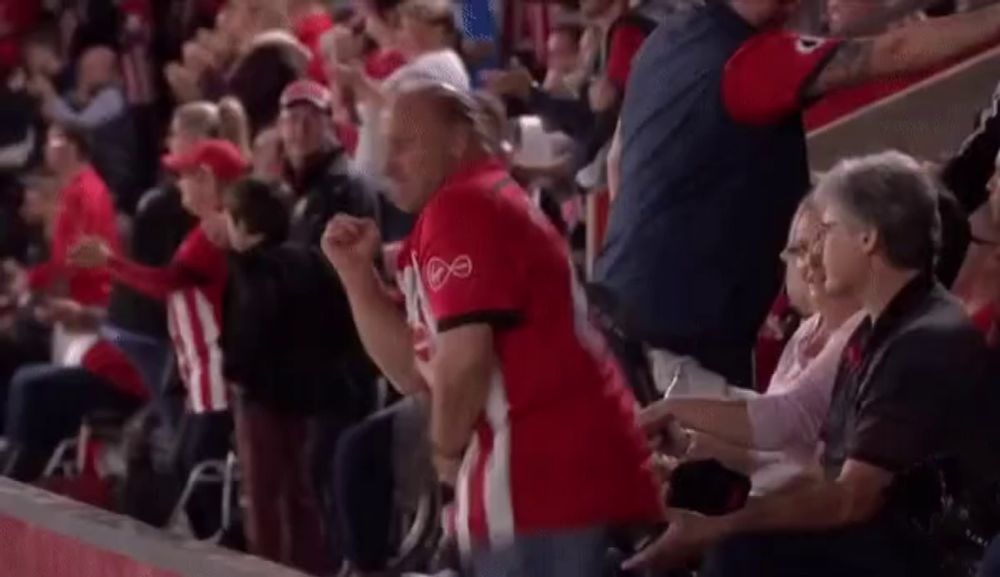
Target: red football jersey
768 76
193 286
557 446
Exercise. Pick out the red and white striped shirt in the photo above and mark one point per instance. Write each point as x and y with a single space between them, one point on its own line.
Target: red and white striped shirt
557 446
192 285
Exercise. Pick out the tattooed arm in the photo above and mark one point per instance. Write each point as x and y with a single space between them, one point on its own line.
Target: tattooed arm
913 48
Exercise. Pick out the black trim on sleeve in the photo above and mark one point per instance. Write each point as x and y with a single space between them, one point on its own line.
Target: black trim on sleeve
805 98
498 319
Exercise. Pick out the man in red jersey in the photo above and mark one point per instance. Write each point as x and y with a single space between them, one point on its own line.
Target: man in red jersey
530 419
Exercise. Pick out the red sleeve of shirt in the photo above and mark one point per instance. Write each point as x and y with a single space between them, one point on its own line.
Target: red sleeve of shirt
625 43
382 63
196 262
465 265
766 78
309 30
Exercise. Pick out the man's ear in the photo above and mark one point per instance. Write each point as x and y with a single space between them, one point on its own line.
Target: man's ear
458 143
869 241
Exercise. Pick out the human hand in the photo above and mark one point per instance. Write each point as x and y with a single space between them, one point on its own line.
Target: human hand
65 311
447 469
215 228
515 82
40 87
349 75
602 94
666 432
688 535
351 244
89 253
183 84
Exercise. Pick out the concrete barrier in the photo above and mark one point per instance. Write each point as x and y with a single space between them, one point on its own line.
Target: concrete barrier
45 535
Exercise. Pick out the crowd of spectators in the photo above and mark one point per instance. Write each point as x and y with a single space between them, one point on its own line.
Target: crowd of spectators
343 247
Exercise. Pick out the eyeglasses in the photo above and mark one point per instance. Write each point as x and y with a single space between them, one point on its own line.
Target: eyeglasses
795 252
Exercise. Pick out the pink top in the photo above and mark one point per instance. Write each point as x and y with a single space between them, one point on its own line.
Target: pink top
788 417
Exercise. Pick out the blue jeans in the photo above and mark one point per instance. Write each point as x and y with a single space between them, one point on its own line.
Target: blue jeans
46 405
151 357
579 553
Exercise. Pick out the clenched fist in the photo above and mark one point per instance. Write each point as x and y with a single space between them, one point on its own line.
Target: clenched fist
90 252
351 244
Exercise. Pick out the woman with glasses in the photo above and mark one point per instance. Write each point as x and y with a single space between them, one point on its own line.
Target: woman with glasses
773 437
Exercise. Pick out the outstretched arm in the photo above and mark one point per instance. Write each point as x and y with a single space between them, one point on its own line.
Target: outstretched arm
912 48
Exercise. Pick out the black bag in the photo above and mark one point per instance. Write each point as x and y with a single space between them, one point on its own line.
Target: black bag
935 505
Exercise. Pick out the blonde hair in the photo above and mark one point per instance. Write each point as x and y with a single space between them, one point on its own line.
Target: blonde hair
226 120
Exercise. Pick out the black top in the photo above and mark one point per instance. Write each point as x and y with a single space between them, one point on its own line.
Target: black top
910 387
326 187
289 340
704 202
159 227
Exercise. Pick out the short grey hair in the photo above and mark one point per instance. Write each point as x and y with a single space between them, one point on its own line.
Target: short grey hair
891 193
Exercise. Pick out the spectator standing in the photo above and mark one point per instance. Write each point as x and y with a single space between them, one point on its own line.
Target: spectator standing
97 105
565 75
292 351
137 322
680 280
588 115
508 428
912 393
317 168
424 31
192 286
270 58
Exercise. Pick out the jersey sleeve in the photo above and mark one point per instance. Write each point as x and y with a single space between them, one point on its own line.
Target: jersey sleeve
767 78
196 262
466 266
625 43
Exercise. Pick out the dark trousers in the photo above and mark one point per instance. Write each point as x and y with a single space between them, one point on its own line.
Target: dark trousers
46 404
278 459
364 492
203 437
869 550
14 354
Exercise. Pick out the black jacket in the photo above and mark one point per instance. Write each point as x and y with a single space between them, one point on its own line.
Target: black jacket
325 188
289 340
968 172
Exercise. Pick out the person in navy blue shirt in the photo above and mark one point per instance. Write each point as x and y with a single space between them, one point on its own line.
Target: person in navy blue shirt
710 161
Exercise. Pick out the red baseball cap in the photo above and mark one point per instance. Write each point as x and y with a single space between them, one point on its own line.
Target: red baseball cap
307 92
222 157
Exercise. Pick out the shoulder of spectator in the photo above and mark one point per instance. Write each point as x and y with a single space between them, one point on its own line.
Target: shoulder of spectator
950 349
150 199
